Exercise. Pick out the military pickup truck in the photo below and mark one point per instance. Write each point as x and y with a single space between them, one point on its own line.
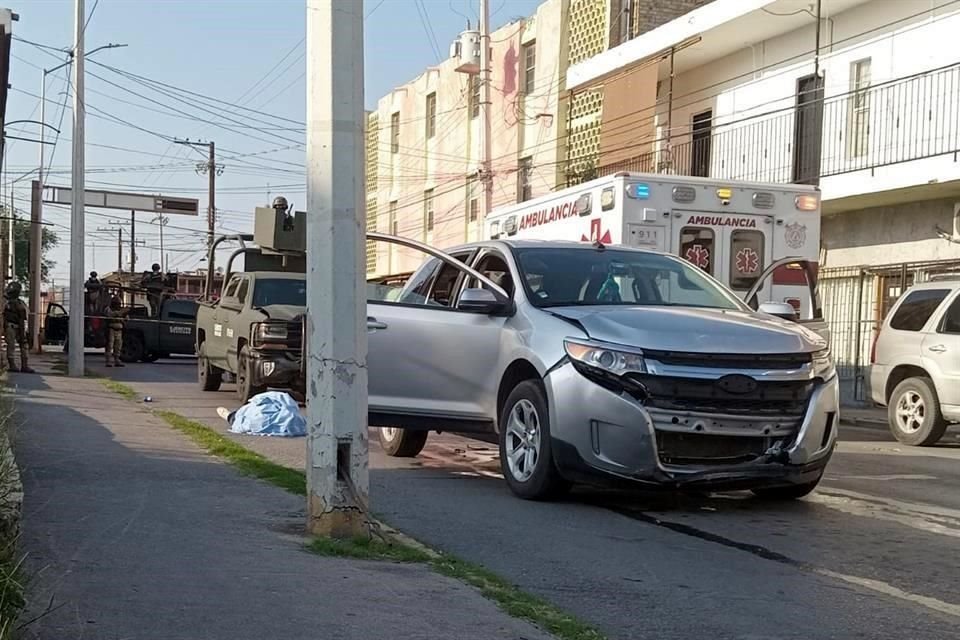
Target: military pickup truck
254 332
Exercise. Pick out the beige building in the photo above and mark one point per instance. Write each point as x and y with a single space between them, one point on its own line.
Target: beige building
423 140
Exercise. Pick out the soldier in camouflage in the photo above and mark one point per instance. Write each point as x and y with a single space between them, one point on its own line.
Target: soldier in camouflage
15 328
115 321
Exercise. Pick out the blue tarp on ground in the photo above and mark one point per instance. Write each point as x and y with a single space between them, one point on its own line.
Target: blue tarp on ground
273 413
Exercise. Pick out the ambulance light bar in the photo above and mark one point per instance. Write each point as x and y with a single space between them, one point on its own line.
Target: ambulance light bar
638 190
684 194
763 200
806 202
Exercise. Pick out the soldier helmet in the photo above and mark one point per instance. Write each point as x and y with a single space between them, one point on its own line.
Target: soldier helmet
280 203
93 275
155 267
13 290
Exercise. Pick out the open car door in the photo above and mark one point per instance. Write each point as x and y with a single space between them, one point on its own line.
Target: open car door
808 312
55 326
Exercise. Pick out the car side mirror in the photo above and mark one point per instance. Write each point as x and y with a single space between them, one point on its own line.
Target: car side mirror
479 301
780 309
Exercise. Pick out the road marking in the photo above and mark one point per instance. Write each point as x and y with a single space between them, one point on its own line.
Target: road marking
889 590
926 518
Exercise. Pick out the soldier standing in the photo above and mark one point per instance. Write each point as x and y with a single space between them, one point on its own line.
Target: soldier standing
15 325
115 322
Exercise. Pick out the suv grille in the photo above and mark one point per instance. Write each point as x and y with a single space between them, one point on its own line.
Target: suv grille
730 360
695 448
771 398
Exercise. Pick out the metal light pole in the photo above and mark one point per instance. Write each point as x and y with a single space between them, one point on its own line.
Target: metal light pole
77 186
337 474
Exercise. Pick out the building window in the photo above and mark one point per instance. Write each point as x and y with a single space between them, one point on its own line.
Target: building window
858 117
474 209
395 132
524 175
700 147
529 67
393 226
428 210
474 96
431 115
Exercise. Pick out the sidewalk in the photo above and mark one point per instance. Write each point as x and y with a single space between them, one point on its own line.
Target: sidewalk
864 417
132 531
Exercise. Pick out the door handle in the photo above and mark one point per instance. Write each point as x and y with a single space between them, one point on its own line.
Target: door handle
937 348
374 324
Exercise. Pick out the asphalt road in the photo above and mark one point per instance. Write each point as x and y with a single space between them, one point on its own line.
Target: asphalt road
871 554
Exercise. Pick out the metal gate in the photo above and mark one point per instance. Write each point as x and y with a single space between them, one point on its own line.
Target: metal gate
855 302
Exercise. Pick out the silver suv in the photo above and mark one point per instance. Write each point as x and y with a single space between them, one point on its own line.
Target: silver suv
588 361
916 363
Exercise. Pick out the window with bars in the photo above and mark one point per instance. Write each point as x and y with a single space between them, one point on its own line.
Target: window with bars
431 115
529 67
524 179
474 96
858 116
474 209
395 132
392 219
428 210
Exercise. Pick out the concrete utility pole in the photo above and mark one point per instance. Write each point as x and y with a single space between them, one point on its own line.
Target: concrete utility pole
337 474
78 192
485 108
36 262
212 171
133 243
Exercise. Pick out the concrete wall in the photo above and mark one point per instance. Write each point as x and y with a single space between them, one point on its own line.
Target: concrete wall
891 234
522 126
628 104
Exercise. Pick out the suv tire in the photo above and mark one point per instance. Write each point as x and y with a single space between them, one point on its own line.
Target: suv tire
245 387
133 348
209 376
401 443
526 455
913 413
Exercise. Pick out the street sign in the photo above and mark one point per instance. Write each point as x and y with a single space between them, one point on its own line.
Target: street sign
150 203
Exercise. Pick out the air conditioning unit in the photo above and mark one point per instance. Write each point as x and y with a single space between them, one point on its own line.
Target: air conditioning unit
466 50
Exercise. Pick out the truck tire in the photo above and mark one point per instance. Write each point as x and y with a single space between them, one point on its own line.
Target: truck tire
401 443
245 387
151 357
209 376
913 413
133 349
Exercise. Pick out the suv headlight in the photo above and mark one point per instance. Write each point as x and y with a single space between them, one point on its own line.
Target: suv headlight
823 366
600 358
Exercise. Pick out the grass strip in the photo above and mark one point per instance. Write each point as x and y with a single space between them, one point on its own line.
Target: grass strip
509 598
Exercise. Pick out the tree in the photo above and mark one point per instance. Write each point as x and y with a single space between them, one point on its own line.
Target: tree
48 241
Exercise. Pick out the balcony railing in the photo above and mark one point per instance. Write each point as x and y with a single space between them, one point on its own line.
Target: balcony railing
902 120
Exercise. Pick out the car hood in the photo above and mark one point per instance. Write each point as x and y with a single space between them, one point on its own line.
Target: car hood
692 330
284 311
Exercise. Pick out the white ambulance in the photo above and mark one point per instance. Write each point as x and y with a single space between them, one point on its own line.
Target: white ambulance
732 230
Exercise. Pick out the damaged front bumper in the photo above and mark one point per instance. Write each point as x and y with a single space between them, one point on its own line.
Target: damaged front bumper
597 432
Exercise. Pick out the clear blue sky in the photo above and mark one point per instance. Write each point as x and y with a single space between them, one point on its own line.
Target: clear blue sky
217 48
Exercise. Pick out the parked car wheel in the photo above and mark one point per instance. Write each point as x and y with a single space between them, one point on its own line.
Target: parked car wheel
132 349
791 492
209 376
914 413
401 443
526 457
245 387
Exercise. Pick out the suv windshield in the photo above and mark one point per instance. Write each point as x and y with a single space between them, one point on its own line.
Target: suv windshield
583 277
289 291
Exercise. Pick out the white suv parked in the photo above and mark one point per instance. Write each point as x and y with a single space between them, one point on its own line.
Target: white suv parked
916 363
